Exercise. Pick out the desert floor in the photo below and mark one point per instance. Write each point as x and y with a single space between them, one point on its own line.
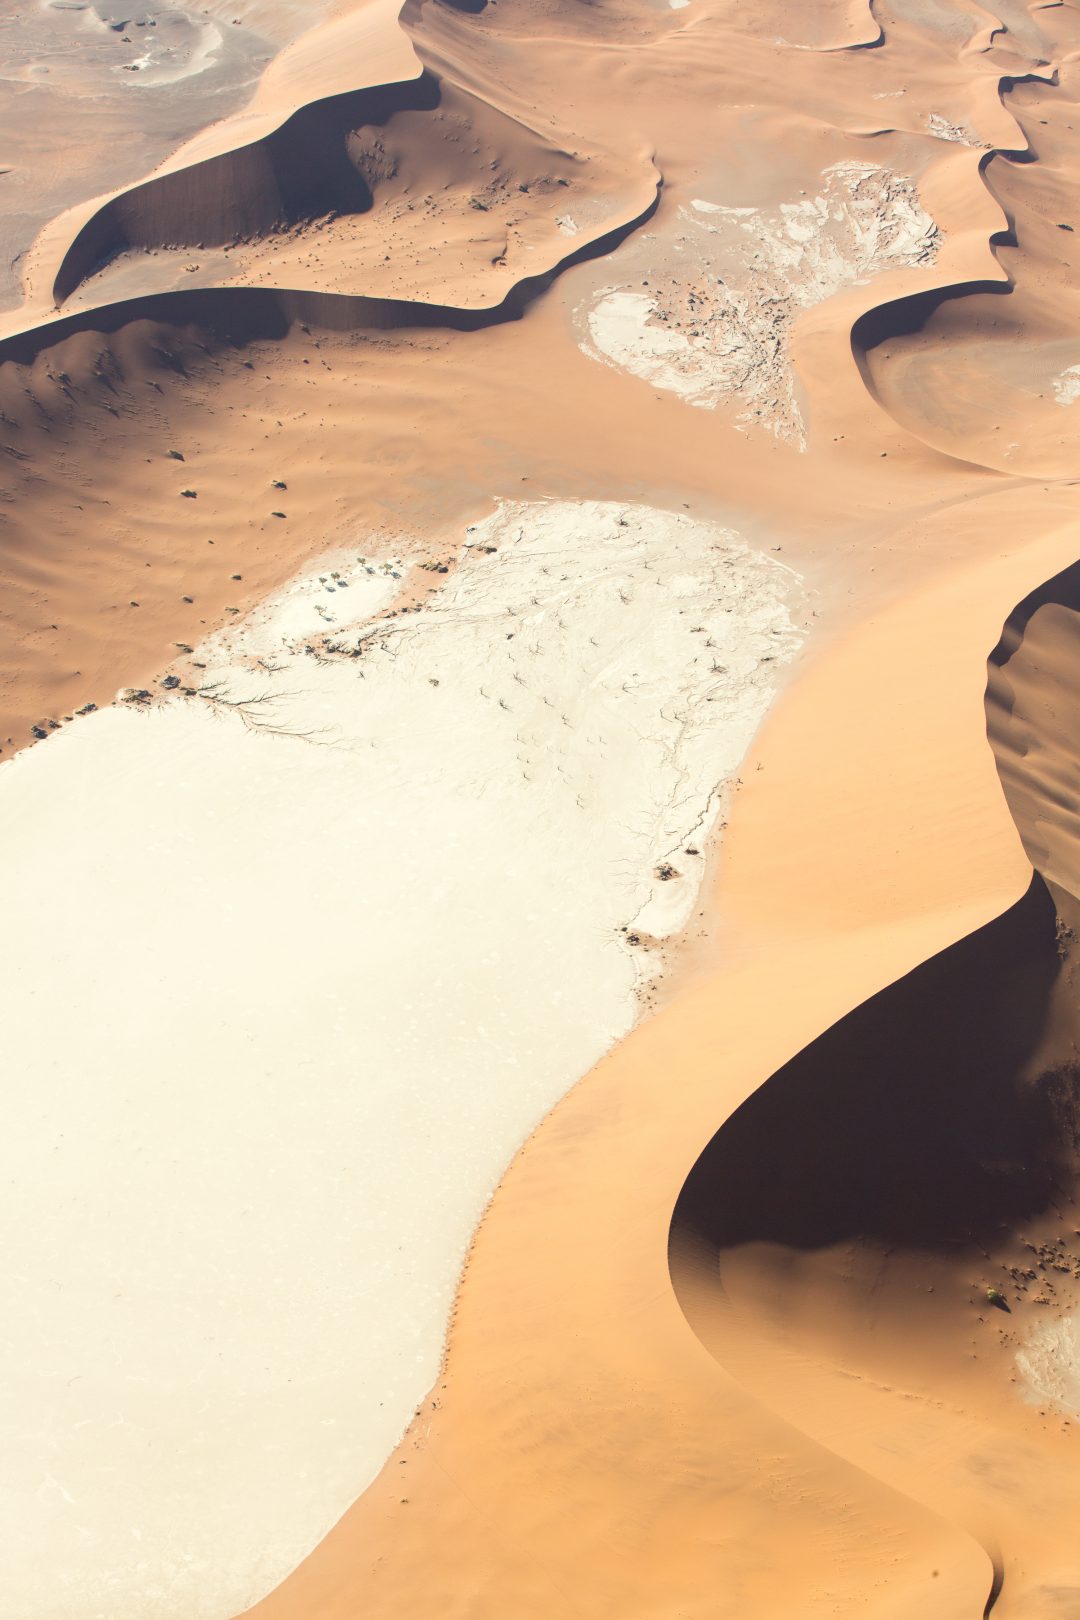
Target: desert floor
539 810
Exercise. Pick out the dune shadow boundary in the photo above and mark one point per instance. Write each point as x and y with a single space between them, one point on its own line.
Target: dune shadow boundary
301 171
910 1122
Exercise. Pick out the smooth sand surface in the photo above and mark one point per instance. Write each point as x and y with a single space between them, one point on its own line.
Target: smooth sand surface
774 1311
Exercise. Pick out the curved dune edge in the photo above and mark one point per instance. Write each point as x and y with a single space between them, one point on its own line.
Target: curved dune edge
281 164
1031 702
888 324
267 183
321 62
828 337
578 1422
237 315
236 152
970 216
821 346
834 1244
664 1532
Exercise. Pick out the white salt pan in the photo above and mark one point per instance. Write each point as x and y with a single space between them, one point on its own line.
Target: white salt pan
717 328
1067 386
285 986
1050 1364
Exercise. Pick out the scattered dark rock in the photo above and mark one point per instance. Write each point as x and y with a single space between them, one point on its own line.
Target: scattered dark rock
189 494
38 731
279 485
665 872
176 455
171 682
87 708
277 514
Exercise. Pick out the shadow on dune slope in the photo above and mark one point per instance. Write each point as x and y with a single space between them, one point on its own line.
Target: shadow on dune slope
853 1224
947 1108
168 332
446 171
907 1122
303 169
1033 709
974 368
917 1119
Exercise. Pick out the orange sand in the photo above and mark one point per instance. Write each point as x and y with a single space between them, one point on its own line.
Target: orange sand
669 1389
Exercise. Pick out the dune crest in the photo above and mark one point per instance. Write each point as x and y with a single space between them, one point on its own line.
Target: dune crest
943 1189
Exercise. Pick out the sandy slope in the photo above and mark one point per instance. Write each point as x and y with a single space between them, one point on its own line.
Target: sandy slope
392 322
855 1297
626 1430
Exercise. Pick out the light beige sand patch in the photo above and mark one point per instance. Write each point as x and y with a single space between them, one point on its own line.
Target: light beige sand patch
392 866
720 330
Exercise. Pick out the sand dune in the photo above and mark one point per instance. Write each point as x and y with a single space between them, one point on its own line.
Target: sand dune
399 669
137 83
342 55
646 1436
281 182
941 1189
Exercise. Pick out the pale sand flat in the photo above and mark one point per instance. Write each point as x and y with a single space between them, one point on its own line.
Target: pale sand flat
387 931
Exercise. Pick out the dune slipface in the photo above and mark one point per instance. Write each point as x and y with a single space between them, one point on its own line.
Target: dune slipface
540 806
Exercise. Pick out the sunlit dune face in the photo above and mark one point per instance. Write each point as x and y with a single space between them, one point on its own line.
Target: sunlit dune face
541 1004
